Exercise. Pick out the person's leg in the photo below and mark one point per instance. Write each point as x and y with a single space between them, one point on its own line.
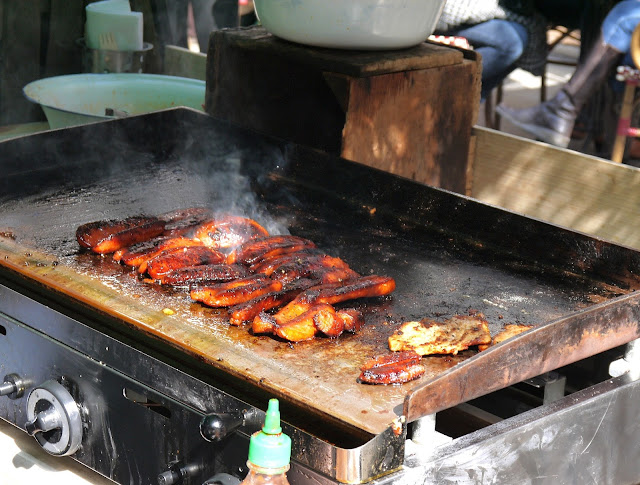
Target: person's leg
553 120
203 20
619 24
500 43
225 13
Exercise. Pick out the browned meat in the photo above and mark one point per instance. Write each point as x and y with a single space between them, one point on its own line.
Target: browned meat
322 267
366 286
292 310
335 275
105 237
263 323
270 265
353 319
138 255
305 326
269 247
178 258
204 273
428 337
328 322
184 222
249 310
226 232
236 291
509 330
395 368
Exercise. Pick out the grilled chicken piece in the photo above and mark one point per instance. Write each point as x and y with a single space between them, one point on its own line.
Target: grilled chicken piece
249 310
335 275
363 287
138 249
368 286
236 291
184 222
270 265
204 273
105 237
428 337
509 330
140 254
305 326
266 248
352 319
326 269
328 321
395 368
263 323
226 232
178 258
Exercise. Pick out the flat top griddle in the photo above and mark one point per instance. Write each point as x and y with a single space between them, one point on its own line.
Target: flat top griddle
449 255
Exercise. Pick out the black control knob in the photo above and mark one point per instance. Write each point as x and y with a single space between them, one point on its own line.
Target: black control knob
178 474
54 419
215 427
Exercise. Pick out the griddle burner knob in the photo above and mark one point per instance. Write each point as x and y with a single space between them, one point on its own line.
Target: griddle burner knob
54 419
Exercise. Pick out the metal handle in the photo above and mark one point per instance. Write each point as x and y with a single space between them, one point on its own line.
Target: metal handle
13 386
215 427
46 420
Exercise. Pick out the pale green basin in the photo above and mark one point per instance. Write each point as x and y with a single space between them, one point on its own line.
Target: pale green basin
78 99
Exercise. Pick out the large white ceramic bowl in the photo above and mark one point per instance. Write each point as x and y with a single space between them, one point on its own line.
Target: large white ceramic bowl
78 99
351 24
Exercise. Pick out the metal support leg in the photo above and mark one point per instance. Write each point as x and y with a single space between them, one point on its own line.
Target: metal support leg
553 384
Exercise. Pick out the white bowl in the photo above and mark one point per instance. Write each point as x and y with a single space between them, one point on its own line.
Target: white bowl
78 99
351 24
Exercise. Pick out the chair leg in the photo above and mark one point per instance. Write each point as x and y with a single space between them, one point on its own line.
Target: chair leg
492 119
497 117
624 123
543 84
489 111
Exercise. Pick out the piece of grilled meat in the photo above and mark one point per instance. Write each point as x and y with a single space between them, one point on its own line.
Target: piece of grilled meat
203 274
225 232
236 291
108 236
394 368
180 258
262 249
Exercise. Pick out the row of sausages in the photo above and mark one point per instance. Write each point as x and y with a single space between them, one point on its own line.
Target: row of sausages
279 284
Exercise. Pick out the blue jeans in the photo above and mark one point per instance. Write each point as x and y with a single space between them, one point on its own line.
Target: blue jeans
500 43
619 24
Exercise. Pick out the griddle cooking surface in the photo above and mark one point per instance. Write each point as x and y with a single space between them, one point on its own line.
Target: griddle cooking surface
439 272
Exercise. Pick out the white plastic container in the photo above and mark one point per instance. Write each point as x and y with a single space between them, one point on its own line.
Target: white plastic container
351 24
78 99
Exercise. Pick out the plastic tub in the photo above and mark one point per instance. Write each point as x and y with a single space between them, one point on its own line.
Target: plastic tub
351 24
78 99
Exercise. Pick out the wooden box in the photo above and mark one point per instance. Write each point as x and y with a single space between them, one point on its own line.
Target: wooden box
409 112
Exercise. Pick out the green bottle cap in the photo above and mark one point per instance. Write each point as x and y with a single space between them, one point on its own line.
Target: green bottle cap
270 447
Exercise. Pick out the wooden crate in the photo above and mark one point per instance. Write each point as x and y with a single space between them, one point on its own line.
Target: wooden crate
409 111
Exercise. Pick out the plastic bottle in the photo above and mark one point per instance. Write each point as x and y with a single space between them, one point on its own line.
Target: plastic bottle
269 451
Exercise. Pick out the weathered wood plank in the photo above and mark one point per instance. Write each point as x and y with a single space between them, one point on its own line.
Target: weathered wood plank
416 124
179 61
567 188
426 55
